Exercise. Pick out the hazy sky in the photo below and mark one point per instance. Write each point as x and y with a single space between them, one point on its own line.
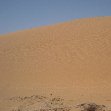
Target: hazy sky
22 14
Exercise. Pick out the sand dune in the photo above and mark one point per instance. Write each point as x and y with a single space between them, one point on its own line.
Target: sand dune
71 60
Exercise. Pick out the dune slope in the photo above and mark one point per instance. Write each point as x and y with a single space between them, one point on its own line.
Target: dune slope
71 59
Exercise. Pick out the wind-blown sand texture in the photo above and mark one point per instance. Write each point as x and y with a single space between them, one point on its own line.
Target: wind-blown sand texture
70 60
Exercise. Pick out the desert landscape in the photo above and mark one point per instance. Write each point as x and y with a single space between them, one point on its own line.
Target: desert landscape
60 67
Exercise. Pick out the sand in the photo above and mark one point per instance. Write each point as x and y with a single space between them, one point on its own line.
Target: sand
70 60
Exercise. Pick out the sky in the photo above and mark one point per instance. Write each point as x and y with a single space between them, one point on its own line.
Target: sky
25 14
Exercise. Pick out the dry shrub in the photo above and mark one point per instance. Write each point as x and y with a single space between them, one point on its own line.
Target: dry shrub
91 107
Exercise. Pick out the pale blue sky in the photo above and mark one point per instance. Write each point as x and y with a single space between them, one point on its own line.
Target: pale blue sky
24 14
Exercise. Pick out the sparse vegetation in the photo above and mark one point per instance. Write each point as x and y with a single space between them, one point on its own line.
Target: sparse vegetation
39 103
91 107
42 103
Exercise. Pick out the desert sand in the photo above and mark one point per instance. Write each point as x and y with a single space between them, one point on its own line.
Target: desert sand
68 61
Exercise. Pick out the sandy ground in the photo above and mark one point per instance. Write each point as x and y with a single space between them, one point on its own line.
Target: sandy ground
70 61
